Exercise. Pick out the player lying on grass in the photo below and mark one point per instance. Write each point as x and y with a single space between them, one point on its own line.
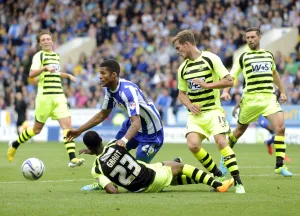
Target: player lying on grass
115 165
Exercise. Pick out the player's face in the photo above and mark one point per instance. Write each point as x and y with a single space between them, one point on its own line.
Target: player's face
182 49
106 77
252 40
46 42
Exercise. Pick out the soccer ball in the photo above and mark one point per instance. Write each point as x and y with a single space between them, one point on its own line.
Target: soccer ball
33 169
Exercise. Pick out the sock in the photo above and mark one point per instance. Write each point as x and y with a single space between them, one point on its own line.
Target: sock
280 148
70 146
231 164
199 176
271 140
207 161
23 137
231 140
184 180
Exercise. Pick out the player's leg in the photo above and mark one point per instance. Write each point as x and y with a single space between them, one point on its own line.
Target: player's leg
277 122
148 145
195 133
66 125
61 112
42 112
193 174
194 141
229 161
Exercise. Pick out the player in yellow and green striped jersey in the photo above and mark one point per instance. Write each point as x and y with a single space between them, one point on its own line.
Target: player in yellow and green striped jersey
50 100
200 77
259 70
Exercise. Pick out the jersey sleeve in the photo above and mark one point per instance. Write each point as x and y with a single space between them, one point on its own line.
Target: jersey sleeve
182 84
36 62
99 177
218 67
108 102
236 68
130 97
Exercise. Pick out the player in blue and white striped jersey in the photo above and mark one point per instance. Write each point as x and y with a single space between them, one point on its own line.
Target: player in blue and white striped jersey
143 129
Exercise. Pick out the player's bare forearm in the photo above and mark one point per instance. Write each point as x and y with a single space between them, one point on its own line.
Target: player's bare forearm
64 75
35 73
225 82
134 127
95 120
111 189
184 98
277 81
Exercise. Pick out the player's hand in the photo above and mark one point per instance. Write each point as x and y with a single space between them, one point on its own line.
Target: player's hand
72 134
234 112
121 143
225 96
200 82
50 69
72 78
195 109
85 151
283 98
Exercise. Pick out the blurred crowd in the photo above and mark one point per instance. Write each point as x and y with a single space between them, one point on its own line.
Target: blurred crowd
138 33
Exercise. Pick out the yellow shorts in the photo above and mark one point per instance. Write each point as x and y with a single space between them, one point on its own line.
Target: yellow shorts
163 177
255 104
207 123
54 106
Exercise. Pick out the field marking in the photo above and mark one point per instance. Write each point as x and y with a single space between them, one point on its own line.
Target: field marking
91 179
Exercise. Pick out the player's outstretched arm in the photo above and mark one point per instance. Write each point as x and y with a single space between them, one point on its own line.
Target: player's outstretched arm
95 120
68 76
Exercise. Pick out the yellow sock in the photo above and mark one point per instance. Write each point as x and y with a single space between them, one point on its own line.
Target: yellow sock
279 146
206 160
70 146
230 160
24 136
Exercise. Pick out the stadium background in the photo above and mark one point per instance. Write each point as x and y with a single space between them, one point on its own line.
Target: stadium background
138 34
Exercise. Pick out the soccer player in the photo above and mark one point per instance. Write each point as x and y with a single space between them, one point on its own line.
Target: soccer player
114 164
143 129
200 77
50 100
21 110
260 73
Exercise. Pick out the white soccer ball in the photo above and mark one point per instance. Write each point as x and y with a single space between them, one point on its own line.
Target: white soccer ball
33 169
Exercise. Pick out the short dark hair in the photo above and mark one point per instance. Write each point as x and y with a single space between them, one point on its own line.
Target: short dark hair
111 65
250 29
92 139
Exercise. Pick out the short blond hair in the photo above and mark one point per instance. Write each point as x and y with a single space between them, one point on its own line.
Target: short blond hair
42 32
185 35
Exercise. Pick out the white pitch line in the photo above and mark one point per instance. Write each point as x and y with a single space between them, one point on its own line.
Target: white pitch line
91 179
47 181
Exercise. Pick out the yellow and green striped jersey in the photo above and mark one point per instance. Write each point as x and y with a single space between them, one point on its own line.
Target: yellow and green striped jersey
207 67
257 67
49 83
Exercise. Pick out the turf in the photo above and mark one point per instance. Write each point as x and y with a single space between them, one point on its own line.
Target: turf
58 191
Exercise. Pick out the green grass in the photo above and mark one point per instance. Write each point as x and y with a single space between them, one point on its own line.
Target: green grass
58 191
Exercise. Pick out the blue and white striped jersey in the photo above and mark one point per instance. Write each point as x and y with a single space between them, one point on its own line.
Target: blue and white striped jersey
132 100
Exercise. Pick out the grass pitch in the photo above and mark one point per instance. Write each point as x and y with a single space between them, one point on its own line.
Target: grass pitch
58 191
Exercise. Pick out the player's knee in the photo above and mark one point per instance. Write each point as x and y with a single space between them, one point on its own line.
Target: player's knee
280 130
194 147
37 130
